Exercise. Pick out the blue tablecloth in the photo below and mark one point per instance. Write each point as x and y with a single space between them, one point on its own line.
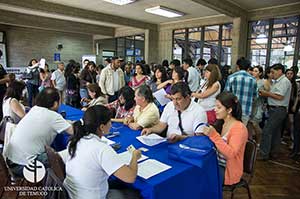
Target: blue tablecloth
181 181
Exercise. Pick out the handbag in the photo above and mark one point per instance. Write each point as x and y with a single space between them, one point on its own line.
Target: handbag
3 124
192 150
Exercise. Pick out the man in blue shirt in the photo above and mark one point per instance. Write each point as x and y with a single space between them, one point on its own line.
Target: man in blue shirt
243 85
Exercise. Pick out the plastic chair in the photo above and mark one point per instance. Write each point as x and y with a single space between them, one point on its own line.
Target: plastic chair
56 163
53 181
249 162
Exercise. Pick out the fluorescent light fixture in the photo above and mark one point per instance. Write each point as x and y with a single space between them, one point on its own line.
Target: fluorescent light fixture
120 2
165 12
261 39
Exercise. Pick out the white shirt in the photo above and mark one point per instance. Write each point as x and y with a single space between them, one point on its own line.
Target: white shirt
7 111
191 118
193 79
116 81
36 130
60 79
88 171
209 102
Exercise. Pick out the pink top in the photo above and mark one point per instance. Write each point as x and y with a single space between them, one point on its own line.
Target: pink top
134 83
233 150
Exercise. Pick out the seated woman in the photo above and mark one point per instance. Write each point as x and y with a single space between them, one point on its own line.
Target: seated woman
145 114
177 76
159 77
231 140
11 102
209 90
139 78
91 162
98 98
124 106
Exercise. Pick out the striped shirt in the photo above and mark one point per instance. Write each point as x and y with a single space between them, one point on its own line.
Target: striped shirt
243 85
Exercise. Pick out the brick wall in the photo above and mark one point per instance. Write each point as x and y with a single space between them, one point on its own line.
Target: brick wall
24 44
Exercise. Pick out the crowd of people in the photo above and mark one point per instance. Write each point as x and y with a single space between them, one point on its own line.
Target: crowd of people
248 104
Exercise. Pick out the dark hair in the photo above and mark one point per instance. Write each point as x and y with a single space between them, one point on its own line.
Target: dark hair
243 63
128 93
229 100
180 71
201 62
30 62
69 69
95 88
114 58
142 67
143 62
164 76
47 97
213 61
14 90
176 62
278 67
215 74
261 70
93 117
267 72
108 60
188 61
147 69
165 63
182 88
145 92
294 84
91 63
99 67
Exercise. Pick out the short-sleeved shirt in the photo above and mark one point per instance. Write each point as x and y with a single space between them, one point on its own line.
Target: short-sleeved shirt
282 86
121 112
60 79
36 130
148 117
88 171
191 118
244 86
193 79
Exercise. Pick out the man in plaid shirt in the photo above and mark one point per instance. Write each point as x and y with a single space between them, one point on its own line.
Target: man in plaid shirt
243 85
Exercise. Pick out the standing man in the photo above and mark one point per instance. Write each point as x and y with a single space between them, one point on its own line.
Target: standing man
243 85
182 116
59 81
112 79
193 79
278 102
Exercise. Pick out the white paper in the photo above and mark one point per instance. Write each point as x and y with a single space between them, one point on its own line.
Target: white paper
107 141
42 63
151 167
151 140
160 96
126 157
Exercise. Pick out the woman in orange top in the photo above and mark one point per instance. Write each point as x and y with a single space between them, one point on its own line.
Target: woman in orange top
231 140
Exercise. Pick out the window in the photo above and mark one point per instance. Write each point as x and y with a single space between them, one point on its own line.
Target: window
203 42
274 41
131 48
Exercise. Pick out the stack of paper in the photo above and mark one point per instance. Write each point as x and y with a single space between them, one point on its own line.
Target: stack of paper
107 141
160 96
126 157
151 167
151 140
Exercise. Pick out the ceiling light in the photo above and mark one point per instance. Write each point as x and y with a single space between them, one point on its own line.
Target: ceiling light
120 2
261 39
163 11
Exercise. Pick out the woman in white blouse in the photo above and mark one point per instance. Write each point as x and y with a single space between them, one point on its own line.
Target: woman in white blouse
209 90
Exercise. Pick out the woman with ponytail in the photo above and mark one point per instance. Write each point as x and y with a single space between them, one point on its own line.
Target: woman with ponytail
92 161
231 139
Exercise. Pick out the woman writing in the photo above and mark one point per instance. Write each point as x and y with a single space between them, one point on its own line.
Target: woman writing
91 162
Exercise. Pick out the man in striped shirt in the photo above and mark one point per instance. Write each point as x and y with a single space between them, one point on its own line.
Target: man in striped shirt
243 85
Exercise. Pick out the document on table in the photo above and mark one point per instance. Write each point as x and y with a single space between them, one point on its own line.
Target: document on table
126 157
107 141
151 167
151 140
160 96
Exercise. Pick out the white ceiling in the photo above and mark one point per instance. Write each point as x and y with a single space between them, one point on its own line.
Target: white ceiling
136 10
258 4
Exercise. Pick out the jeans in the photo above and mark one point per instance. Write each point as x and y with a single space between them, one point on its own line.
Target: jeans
83 94
33 90
272 130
